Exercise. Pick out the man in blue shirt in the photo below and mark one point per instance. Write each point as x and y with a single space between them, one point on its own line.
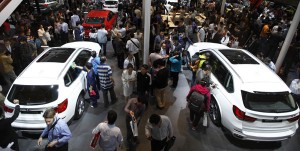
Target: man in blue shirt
106 81
57 130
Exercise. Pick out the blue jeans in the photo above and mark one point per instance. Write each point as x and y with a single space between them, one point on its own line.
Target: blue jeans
103 47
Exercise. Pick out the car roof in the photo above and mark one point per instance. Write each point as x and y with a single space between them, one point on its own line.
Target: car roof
98 13
254 74
42 70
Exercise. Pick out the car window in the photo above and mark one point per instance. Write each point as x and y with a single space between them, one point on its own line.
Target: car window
221 73
111 2
238 57
275 102
94 20
33 94
109 16
60 55
71 75
83 57
67 79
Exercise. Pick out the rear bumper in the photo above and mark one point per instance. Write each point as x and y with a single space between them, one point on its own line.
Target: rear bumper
29 128
264 135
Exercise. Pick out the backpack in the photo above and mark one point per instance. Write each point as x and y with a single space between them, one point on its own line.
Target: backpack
196 101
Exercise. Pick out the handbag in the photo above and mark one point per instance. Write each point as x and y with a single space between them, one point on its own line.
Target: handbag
95 139
170 143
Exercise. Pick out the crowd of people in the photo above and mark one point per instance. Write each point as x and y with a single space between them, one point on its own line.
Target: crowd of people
261 30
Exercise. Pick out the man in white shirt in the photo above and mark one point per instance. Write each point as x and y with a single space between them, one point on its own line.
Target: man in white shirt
74 19
110 135
158 129
64 32
102 38
133 46
202 33
225 39
122 30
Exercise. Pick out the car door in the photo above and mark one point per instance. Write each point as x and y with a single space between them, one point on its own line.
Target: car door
75 78
222 77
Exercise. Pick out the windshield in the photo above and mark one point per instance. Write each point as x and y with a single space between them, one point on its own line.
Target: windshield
33 94
269 102
94 20
111 2
57 55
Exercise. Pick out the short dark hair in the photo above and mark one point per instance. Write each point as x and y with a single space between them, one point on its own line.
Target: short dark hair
94 54
129 66
207 67
102 59
161 62
102 25
154 119
145 66
49 113
204 81
141 98
111 117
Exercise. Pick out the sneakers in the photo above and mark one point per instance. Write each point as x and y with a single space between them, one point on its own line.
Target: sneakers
194 128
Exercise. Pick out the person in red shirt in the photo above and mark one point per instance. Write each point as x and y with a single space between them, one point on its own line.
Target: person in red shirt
200 87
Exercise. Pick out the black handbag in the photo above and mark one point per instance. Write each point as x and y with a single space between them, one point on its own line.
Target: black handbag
170 143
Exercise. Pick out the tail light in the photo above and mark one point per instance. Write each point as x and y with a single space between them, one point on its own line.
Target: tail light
45 5
62 106
7 109
293 119
241 115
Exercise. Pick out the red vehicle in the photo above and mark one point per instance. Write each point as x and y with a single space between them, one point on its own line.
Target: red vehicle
95 18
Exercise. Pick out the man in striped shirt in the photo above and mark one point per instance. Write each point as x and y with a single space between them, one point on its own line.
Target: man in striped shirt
106 81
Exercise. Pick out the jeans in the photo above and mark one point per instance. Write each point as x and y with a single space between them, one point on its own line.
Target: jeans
195 117
103 47
175 77
112 96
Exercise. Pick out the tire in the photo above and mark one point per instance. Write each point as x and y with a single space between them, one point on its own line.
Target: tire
214 113
80 107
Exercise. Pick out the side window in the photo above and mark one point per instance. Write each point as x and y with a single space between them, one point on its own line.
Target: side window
83 57
68 79
109 16
222 74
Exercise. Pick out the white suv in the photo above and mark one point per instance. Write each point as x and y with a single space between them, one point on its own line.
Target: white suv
50 82
250 100
111 5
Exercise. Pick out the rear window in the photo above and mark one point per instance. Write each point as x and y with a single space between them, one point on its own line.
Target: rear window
238 57
33 94
94 20
278 102
60 55
111 2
